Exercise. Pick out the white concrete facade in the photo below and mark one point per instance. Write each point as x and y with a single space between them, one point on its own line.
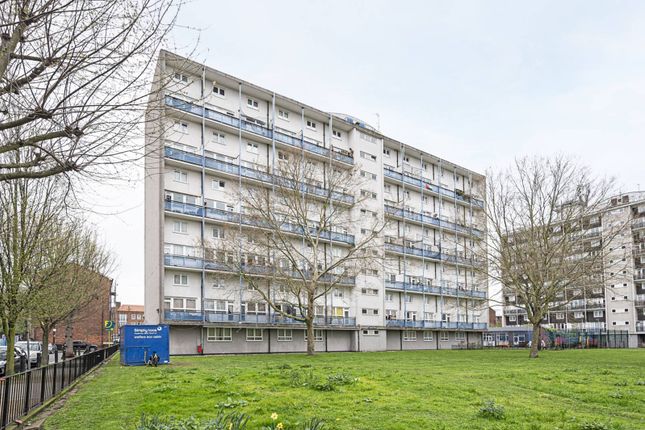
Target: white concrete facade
210 133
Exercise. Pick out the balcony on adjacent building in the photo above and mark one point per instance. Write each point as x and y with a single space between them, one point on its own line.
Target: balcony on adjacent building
639 300
640 326
438 325
464 292
430 254
253 174
197 263
215 317
237 218
295 142
638 224
435 221
423 184
639 275
589 304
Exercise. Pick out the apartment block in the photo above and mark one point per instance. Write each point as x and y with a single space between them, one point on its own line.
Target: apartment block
618 303
210 135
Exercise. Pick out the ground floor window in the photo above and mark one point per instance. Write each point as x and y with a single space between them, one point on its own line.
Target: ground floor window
427 336
253 334
409 335
460 335
285 335
318 335
444 336
219 334
370 332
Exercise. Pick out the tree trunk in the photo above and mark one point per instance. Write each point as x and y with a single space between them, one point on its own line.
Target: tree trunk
309 321
535 341
69 341
11 342
44 356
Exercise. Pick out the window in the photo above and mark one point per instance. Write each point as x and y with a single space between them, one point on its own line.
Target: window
427 336
460 335
218 91
428 316
370 332
252 147
578 315
368 138
218 233
512 318
367 311
259 308
368 194
597 314
219 334
389 297
369 291
368 156
253 334
409 335
285 335
283 156
368 175
283 114
311 124
180 279
386 152
338 293
318 335
180 303
181 127
444 336
218 137
252 103
180 176
559 316
180 77
407 298
180 227
337 134
218 184
123 319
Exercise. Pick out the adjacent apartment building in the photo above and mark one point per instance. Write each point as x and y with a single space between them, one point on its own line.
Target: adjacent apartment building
129 315
209 134
619 304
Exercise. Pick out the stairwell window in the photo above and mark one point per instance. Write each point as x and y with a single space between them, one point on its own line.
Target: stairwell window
598 314
218 137
181 127
180 77
180 176
368 156
252 103
368 175
311 125
180 227
218 184
283 114
219 91
337 134
219 334
252 148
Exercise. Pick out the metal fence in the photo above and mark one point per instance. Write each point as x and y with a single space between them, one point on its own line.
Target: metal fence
22 392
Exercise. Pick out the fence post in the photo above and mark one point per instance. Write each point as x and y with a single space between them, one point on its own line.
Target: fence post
27 392
62 376
54 379
5 405
43 379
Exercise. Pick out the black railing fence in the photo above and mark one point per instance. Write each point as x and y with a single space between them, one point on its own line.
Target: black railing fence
22 392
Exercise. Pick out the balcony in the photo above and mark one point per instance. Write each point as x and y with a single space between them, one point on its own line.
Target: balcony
435 289
425 219
638 224
639 275
258 130
426 253
439 325
431 188
238 318
236 218
639 301
201 264
253 174
640 326
586 304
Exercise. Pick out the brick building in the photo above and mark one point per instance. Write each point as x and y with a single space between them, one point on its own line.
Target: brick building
130 315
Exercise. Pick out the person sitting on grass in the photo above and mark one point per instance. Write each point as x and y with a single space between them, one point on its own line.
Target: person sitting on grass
153 360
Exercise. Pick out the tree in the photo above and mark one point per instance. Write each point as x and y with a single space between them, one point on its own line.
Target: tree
30 211
542 242
75 77
69 278
281 248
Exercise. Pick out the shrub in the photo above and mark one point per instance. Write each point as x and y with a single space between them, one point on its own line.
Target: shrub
593 426
492 411
232 421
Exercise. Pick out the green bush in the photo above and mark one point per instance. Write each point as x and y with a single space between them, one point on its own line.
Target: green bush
593 426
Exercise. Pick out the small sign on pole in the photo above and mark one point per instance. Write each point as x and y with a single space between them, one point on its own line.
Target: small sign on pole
108 325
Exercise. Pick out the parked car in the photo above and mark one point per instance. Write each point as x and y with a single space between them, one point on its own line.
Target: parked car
34 349
3 359
81 345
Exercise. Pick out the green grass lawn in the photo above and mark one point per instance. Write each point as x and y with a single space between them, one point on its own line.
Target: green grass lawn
395 390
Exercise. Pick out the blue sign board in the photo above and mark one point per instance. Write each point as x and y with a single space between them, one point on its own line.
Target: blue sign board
139 342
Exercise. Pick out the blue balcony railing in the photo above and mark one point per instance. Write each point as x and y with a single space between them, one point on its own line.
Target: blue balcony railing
426 253
247 172
437 290
425 219
439 325
199 263
234 217
225 317
419 183
295 142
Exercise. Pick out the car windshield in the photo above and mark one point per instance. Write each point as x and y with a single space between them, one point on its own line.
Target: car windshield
33 346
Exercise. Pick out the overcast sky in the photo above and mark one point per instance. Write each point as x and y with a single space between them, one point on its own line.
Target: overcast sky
475 82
